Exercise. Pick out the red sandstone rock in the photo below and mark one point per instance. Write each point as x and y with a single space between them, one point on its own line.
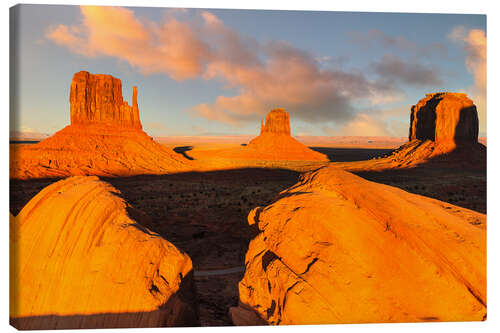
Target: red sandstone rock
273 147
277 122
444 118
276 143
98 99
80 258
443 132
105 138
336 248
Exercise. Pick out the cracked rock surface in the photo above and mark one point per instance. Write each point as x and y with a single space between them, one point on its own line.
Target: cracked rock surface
336 248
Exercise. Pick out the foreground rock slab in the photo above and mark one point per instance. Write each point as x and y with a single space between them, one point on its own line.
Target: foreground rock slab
336 248
80 258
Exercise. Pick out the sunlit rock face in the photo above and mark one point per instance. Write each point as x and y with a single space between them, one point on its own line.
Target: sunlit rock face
275 141
80 258
443 133
444 118
98 99
277 123
105 138
336 248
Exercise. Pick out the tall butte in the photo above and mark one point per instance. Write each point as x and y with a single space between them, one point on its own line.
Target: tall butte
275 141
105 138
97 99
443 132
446 118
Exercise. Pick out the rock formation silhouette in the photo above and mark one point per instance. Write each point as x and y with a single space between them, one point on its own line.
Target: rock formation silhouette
105 138
80 258
336 248
443 132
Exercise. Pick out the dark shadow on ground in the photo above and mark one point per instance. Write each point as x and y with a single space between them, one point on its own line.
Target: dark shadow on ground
182 150
26 142
352 154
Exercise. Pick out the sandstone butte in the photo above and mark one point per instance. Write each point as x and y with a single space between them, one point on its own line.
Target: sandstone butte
81 259
274 143
105 138
443 132
336 248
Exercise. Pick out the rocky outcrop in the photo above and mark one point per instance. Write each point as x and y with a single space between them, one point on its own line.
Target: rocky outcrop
444 118
336 248
443 133
276 143
104 139
97 99
80 258
277 123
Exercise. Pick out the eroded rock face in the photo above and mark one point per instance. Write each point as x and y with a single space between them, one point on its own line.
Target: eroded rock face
277 122
276 143
443 133
105 138
81 259
336 248
97 98
444 118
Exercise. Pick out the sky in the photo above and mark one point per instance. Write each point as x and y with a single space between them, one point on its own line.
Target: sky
218 72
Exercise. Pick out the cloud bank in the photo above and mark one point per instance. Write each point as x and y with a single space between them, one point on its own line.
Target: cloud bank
412 73
474 43
264 76
261 76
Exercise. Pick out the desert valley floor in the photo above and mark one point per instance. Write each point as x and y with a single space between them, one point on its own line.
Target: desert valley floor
205 213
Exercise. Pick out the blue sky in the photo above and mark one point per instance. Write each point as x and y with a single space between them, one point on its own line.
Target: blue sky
220 71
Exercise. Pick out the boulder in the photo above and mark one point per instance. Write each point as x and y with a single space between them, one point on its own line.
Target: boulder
80 258
336 248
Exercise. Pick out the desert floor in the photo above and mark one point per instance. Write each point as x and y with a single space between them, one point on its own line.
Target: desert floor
205 213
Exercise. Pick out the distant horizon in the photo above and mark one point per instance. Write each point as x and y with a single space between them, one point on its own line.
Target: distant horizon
219 71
